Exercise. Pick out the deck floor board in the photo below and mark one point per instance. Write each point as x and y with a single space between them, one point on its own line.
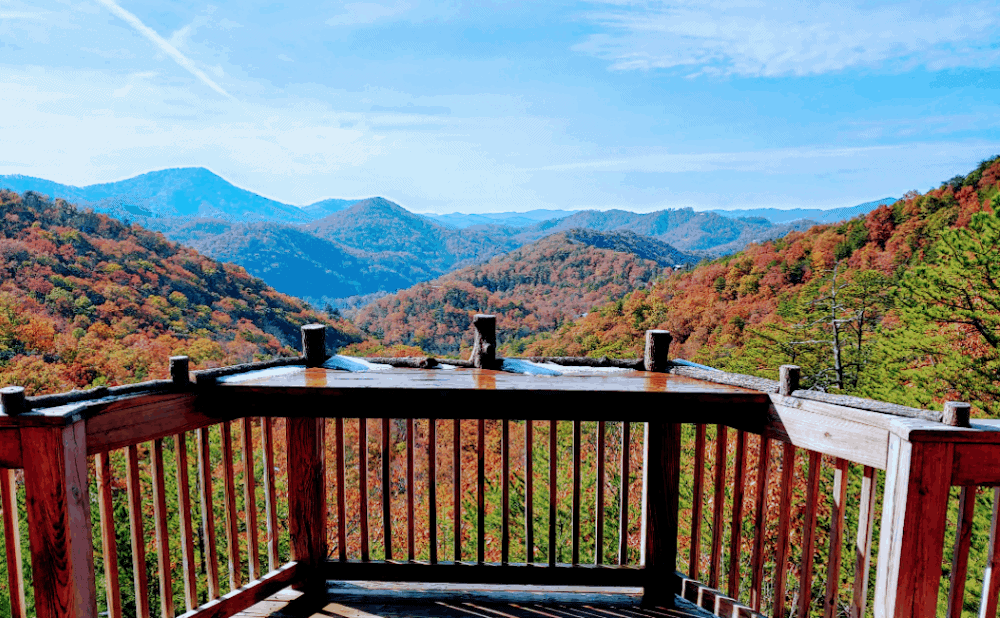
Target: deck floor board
399 601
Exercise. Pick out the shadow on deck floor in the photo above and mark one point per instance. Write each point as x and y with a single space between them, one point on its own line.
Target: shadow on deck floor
387 600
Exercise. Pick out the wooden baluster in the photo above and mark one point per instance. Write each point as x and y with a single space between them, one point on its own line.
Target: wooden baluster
505 497
576 492
694 566
809 534
229 493
59 526
162 532
270 494
137 534
760 524
307 497
736 525
960 555
109 546
553 459
784 527
660 492
386 489
12 544
188 567
341 491
599 506
363 484
250 500
863 544
456 467
991 577
481 492
914 516
210 554
529 482
718 504
432 488
623 508
832 599
410 491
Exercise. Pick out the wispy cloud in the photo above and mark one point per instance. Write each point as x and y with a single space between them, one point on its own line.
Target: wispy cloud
164 45
733 37
767 160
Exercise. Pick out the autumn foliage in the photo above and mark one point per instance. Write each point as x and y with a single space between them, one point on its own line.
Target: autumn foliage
741 312
533 289
86 300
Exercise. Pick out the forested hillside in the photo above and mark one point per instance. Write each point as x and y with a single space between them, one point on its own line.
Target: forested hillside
901 305
682 228
86 300
378 225
531 290
294 261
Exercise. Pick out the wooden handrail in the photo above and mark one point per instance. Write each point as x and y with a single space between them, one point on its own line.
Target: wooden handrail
921 459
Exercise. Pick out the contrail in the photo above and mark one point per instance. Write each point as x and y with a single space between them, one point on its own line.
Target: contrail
165 46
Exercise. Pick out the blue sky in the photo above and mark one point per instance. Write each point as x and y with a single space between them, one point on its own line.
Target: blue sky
487 106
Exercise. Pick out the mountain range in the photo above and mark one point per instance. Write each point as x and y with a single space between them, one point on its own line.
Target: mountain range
334 249
531 290
176 192
833 215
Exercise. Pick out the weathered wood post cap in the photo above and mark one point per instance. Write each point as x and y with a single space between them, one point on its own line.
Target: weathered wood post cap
484 346
179 367
12 400
657 350
789 380
314 344
956 414
481 320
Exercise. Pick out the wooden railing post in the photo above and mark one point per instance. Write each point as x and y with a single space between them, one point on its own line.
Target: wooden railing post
657 351
179 367
484 346
306 476
314 344
59 527
911 545
12 400
307 497
660 489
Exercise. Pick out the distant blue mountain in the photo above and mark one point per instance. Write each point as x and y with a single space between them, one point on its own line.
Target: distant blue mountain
325 208
190 192
195 192
513 219
833 215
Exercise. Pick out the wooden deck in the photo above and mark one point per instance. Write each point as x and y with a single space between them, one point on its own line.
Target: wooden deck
319 411
381 600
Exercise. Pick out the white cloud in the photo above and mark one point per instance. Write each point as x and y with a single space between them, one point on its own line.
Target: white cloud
164 45
793 38
750 161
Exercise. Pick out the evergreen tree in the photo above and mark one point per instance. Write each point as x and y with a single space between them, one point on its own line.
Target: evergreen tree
950 315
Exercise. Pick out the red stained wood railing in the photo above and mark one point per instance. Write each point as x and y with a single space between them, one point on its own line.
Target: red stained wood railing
12 544
57 479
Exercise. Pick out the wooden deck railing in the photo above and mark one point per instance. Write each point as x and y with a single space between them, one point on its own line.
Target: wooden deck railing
210 497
